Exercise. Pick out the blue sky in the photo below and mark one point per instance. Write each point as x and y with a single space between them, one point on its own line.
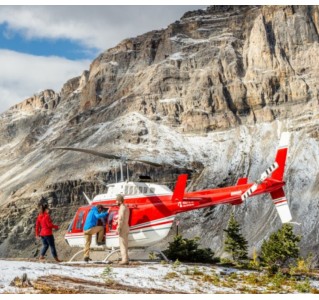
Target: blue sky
41 47
61 47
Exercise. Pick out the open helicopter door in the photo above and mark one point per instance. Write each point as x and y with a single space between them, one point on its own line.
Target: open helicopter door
111 238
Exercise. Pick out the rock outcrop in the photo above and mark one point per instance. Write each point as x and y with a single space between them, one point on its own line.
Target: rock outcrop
212 92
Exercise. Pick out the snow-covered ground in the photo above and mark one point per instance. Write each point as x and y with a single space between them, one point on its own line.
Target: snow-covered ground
167 277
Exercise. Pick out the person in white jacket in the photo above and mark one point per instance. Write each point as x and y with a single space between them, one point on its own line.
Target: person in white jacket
123 228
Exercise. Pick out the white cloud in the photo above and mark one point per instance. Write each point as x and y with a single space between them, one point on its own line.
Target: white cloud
100 27
22 75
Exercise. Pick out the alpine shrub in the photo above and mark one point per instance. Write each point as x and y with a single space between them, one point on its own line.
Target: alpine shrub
186 250
280 248
235 243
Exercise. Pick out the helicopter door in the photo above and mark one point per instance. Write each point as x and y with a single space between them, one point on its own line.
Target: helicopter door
112 220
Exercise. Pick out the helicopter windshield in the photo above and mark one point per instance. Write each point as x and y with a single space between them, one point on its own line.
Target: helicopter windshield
71 225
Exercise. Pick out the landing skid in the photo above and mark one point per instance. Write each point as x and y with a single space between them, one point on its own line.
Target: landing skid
111 253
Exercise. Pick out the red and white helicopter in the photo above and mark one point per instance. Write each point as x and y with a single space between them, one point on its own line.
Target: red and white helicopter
153 207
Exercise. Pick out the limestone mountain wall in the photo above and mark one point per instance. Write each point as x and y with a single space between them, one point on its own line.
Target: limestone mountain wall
210 93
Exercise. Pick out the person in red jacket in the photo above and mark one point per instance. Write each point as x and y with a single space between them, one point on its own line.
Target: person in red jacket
43 229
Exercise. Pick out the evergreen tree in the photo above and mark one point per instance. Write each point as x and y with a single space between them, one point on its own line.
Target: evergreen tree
280 247
235 243
187 250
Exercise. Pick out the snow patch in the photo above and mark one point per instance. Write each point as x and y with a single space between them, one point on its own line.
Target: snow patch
184 39
171 100
177 56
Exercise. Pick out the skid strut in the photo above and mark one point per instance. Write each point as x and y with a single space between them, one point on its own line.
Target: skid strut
117 251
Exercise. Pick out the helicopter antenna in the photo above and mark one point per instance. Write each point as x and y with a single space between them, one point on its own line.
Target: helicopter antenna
121 167
127 173
115 175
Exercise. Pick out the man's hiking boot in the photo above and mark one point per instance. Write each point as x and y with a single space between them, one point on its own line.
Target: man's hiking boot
87 259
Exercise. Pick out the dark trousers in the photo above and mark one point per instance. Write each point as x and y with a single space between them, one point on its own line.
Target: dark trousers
46 242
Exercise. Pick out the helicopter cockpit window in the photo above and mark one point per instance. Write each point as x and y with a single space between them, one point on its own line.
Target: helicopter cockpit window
71 225
140 188
152 190
145 189
79 222
135 190
126 190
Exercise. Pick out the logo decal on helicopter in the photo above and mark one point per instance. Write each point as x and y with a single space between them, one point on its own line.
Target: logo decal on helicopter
185 203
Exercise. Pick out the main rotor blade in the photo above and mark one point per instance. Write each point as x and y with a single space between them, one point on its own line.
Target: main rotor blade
106 155
263 176
96 153
146 162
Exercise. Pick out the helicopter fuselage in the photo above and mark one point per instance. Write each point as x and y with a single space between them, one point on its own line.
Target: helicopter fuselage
153 209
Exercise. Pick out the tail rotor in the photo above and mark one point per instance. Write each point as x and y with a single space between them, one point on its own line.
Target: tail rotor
263 176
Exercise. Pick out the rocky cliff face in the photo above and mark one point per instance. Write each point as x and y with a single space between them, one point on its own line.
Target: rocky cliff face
212 92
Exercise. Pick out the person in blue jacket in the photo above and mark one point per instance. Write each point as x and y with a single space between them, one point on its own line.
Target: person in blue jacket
90 228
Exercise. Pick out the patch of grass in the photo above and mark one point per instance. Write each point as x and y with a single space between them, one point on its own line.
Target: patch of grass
22 282
303 287
214 279
233 276
171 275
107 275
253 279
226 262
197 272
176 264
152 256
228 283
279 280
303 266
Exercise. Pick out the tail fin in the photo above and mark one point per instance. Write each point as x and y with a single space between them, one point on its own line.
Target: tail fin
278 196
179 189
281 204
281 156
